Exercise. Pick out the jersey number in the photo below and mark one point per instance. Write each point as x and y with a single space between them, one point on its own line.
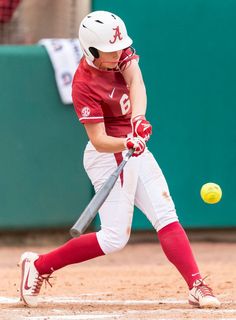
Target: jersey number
125 103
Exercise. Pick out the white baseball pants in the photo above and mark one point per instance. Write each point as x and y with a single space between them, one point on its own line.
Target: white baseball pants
144 186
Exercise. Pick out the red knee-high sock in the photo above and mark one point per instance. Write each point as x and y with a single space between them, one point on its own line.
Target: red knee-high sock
75 250
176 247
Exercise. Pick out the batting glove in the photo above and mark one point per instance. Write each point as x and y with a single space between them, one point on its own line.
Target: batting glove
141 127
136 143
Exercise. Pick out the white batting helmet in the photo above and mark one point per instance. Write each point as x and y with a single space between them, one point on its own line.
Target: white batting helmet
104 31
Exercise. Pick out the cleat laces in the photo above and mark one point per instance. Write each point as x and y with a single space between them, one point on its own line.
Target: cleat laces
203 289
38 283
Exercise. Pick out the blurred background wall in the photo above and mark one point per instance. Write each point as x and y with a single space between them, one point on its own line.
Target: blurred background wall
187 55
28 21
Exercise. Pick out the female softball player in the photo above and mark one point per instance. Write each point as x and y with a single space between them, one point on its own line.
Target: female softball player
110 100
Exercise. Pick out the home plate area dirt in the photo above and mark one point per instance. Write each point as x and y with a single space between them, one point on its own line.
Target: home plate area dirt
135 283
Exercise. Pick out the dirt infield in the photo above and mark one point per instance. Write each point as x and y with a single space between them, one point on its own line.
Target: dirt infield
135 283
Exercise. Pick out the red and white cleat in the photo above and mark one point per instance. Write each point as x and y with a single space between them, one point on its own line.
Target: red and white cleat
31 281
202 296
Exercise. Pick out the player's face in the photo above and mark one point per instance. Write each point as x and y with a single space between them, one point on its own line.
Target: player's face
108 60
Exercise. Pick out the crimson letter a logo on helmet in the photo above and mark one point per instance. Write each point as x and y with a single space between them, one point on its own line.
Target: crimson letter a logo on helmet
117 35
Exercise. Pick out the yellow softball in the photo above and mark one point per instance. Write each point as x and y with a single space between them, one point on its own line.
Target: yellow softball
211 192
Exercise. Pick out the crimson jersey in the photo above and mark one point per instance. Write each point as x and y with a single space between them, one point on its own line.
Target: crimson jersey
103 96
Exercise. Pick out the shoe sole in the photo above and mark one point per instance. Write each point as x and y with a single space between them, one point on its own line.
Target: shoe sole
197 305
194 304
21 264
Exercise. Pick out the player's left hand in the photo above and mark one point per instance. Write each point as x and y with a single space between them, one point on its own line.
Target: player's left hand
141 127
137 143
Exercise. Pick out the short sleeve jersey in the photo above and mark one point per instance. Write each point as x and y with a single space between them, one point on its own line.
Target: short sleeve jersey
103 96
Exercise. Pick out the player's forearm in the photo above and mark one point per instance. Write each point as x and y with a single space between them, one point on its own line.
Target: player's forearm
106 143
138 97
101 141
137 91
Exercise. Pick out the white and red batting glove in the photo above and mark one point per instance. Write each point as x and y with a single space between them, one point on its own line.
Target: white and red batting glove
136 143
141 127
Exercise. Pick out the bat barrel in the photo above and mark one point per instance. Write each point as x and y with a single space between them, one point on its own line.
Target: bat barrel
82 223
95 204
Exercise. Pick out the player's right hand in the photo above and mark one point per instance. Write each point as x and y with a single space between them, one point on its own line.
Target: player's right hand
141 127
136 143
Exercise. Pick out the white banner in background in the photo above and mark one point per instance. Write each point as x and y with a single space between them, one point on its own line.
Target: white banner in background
65 55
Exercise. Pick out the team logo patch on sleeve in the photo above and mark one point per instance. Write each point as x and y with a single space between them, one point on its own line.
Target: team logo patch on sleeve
85 112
